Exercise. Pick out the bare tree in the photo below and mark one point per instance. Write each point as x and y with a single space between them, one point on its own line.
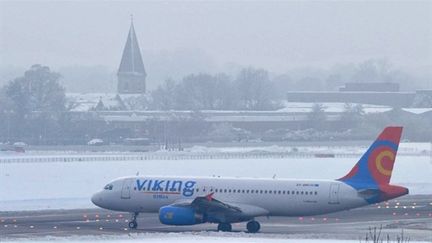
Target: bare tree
254 89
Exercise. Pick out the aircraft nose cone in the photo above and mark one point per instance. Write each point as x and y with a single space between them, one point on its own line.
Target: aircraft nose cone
96 199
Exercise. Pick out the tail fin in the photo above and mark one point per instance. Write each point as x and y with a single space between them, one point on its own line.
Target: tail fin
374 169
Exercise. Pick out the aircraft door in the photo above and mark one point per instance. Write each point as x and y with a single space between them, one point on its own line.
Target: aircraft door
126 188
334 193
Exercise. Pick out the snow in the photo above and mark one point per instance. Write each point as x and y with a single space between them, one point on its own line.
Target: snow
187 237
417 111
183 238
420 149
404 148
70 185
330 107
82 102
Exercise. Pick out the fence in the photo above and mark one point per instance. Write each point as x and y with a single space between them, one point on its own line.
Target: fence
180 156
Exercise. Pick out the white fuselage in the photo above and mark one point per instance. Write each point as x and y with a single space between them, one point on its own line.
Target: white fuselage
279 197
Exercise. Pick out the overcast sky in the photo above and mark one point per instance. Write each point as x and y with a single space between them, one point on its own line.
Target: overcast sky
273 35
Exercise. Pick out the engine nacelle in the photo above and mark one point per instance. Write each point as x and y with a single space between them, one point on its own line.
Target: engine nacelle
176 215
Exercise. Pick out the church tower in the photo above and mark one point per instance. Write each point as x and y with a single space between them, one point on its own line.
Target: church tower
131 73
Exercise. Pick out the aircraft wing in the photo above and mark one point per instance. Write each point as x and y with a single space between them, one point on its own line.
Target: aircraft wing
218 211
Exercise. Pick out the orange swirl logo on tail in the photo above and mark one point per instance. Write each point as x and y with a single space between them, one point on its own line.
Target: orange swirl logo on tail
378 162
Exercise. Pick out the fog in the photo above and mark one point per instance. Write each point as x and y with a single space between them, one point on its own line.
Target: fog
300 59
217 36
96 90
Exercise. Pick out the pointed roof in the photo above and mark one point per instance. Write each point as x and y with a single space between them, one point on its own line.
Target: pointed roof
131 61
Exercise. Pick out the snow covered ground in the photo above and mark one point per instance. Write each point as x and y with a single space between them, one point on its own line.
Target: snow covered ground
184 238
404 148
31 186
423 149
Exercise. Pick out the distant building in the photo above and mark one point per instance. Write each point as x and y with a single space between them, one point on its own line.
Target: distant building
385 93
86 102
370 87
393 99
131 74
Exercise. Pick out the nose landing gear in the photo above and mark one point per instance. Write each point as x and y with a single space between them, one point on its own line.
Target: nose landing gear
133 223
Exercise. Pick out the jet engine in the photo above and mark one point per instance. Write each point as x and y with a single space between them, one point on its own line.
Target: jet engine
178 215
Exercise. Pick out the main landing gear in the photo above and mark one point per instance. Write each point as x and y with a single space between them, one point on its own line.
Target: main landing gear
225 227
133 223
252 227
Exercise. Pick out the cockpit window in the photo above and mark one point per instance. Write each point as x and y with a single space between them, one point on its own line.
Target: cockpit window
108 187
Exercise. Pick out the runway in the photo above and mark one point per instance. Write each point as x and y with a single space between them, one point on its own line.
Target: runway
412 214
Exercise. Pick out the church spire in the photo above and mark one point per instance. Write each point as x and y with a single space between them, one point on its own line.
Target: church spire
131 73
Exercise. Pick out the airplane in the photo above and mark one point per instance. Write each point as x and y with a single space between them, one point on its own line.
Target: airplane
197 200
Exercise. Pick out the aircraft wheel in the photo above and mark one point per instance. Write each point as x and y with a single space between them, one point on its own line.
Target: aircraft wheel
225 227
253 226
133 224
